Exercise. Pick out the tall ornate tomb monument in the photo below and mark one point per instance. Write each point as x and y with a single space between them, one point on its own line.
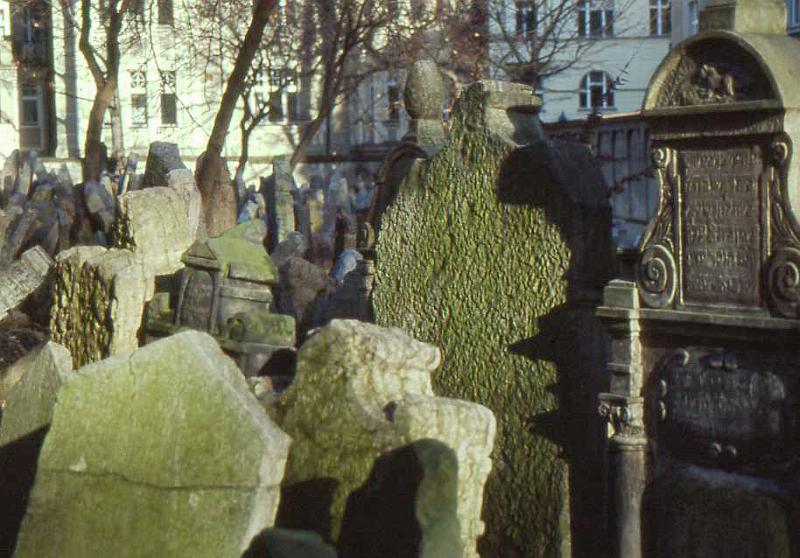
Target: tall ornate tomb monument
704 369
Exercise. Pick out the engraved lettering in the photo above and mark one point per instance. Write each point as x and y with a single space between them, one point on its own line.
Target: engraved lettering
721 226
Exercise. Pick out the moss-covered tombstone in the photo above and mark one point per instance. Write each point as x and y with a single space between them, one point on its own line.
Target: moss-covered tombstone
497 251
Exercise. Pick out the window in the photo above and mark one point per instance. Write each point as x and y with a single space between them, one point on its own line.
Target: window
595 18
138 110
660 20
138 99
169 99
794 12
284 100
596 91
166 15
393 98
526 19
694 24
30 105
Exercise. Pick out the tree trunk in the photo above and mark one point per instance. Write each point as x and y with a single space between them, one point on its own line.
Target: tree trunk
219 208
92 164
117 138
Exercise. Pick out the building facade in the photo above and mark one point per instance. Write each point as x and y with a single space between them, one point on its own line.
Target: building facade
601 53
170 89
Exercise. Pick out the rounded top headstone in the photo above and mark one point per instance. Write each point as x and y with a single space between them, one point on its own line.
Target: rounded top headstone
424 93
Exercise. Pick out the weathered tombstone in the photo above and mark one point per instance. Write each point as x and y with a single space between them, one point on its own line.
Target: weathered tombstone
25 178
26 416
489 249
98 301
225 289
378 463
281 204
154 223
162 158
704 385
10 172
22 278
162 451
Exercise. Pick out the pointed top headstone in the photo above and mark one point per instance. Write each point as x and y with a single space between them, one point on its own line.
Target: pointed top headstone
745 16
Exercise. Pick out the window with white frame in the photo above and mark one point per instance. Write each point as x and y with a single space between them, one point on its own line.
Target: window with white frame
169 99
526 19
283 101
694 24
596 91
595 18
138 98
660 17
393 100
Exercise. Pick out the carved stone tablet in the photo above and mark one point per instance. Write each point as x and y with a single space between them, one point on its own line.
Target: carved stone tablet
721 225
715 412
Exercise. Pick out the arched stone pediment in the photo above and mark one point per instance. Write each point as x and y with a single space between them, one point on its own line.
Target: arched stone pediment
724 68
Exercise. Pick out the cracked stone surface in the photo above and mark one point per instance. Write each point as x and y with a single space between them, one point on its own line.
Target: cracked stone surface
159 452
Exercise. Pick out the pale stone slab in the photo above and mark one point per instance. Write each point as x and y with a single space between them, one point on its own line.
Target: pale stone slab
28 405
159 452
363 413
154 223
23 277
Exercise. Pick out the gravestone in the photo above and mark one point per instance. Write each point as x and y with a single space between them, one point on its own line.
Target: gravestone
378 463
486 248
22 278
705 366
26 416
162 158
162 451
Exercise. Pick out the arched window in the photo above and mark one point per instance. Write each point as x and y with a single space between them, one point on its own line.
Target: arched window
596 91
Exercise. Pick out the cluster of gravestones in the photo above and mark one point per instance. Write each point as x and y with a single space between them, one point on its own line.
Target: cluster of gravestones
491 282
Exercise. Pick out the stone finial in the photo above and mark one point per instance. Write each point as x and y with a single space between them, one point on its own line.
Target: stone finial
424 100
745 16
424 94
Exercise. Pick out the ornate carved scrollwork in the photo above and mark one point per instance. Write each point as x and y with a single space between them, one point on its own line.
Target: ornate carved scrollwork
656 275
784 282
780 150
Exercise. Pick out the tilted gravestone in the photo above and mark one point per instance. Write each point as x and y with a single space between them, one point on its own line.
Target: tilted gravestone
23 277
159 452
162 158
489 251
704 375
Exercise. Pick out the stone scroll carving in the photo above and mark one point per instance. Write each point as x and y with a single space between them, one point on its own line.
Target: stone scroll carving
656 273
783 274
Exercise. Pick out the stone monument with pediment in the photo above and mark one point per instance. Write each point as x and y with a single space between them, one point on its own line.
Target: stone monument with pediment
704 397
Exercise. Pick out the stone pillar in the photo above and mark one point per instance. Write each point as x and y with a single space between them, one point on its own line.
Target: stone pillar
623 407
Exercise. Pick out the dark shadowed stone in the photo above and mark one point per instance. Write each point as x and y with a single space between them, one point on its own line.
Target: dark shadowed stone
162 158
288 543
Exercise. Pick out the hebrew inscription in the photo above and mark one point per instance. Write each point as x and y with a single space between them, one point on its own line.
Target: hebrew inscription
715 410
721 226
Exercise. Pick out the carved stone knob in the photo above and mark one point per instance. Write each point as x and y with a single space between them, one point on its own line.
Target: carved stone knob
662 410
715 450
730 452
424 93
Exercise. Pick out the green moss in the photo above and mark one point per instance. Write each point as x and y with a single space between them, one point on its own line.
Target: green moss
462 268
237 247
